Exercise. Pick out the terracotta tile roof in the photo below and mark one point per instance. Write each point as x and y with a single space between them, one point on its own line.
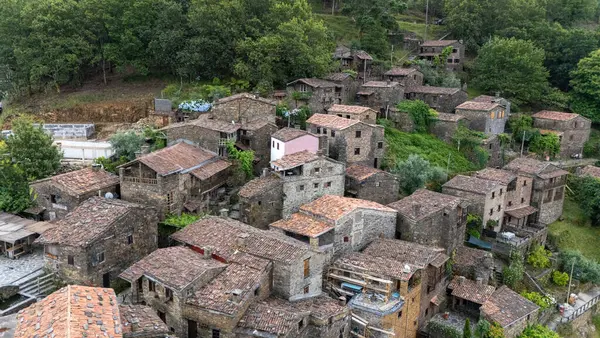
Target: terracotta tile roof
498 175
407 252
141 320
470 290
485 98
521 212
343 52
273 316
472 184
424 202
548 131
210 169
88 222
432 90
316 83
466 256
236 281
73 311
380 84
321 307
175 267
331 121
224 236
449 117
506 306
81 182
375 265
342 108
176 158
362 172
294 160
591 170
361 54
260 185
473 105
534 167
438 43
288 134
335 207
257 263
396 71
205 121
337 77
554 115
244 96
256 124
303 225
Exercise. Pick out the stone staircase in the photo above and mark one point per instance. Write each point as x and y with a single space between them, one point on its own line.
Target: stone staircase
38 284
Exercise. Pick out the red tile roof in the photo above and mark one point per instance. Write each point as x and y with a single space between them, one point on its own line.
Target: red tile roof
506 306
81 182
260 185
466 256
498 175
337 77
362 172
175 267
432 90
210 169
470 290
424 202
288 134
380 266
302 224
88 222
554 115
472 184
473 105
485 98
316 83
438 43
396 71
335 207
535 167
294 160
273 316
416 255
73 311
244 96
141 320
548 131
176 158
342 108
331 121
521 212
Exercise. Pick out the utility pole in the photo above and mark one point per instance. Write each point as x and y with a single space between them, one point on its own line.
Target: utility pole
392 57
448 165
522 143
570 279
426 20
332 7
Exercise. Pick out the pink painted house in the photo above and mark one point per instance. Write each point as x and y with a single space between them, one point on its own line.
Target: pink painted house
288 141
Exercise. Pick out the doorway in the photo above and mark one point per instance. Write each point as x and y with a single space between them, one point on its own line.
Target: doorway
192 329
106 280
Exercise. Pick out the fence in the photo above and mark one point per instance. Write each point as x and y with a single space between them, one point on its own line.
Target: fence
580 310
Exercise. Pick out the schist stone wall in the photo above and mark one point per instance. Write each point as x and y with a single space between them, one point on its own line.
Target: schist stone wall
381 187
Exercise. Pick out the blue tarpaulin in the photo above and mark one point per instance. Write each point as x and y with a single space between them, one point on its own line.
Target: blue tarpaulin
479 243
351 287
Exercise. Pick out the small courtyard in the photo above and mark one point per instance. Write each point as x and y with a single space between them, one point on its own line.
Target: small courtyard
11 270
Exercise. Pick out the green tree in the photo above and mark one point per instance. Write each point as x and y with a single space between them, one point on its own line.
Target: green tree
584 269
32 150
538 331
482 329
496 331
375 41
587 194
126 144
513 273
244 158
548 144
586 89
569 12
367 13
420 113
513 67
467 329
539 257
15 195
415 173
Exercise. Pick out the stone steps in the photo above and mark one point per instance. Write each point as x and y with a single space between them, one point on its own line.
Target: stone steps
38 285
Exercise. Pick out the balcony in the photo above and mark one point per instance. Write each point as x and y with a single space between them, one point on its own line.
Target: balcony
140 180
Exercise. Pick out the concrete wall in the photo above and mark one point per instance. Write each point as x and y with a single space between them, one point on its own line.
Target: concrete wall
64 131
412 80
384 97
289 281
84 150
483 204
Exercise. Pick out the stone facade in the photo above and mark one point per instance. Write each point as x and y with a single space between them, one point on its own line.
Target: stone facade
474 264
349 83
510 310
243 108
492 145
432 48
60 194
573 129
444 100
317 94
433 219
371 184
364 114
98 240
261 201
445 126
350 141
380 95
489 118
407 77
356 60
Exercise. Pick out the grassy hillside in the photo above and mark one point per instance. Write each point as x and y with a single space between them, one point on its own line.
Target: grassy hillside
401 145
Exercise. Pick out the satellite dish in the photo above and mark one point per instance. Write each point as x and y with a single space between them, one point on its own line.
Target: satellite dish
406 268
109 195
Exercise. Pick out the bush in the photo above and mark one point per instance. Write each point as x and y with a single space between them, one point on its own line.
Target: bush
584 269
539 257
538 331
420 113
415 173
540 300
181 221
560 278
110 165
513 273
126 144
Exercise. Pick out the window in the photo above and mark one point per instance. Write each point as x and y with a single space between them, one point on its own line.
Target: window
130 239
325 131
347 116
490 146
525 183
151 286
100 257
509 203
316 185
449 60
356 151
426 311
307 268
306 290
499 207
259 202
399 314
53 198
367 117
492 115
522 200
358 134
169 201
454 50
333 133
377 184
570 137
327 184
70 260
317 170
318 130
491 211
493 194
300 324
273 144
339 115
379 145
216 333
500 192
303 88
456 60
346 239
168 294
301 187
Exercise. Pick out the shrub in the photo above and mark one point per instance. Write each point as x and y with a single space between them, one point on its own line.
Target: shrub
181 221
110 165
539 257
584 269
540 300
126 144
560 278
537 330
513 273
420 113
245 158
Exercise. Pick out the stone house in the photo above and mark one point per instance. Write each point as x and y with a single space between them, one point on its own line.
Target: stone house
504 103
335 224
548 191
442 99
371 184
510 310
317 94
315 317
354 59
98 240
445 126
364 114
63 312
487 117
573 129
350 141
288 141
430 218
493 146
486 197
296 179
60 194
297 270
181 177
380 95
468 295
407 77
431 49
474 264
391 286
349 84
244 119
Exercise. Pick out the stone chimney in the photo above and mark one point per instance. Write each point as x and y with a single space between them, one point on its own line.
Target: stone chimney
207 252
416 210
240 241
461 280
265 172
479 281
235 295
342 300
145 149
224 212
497 94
